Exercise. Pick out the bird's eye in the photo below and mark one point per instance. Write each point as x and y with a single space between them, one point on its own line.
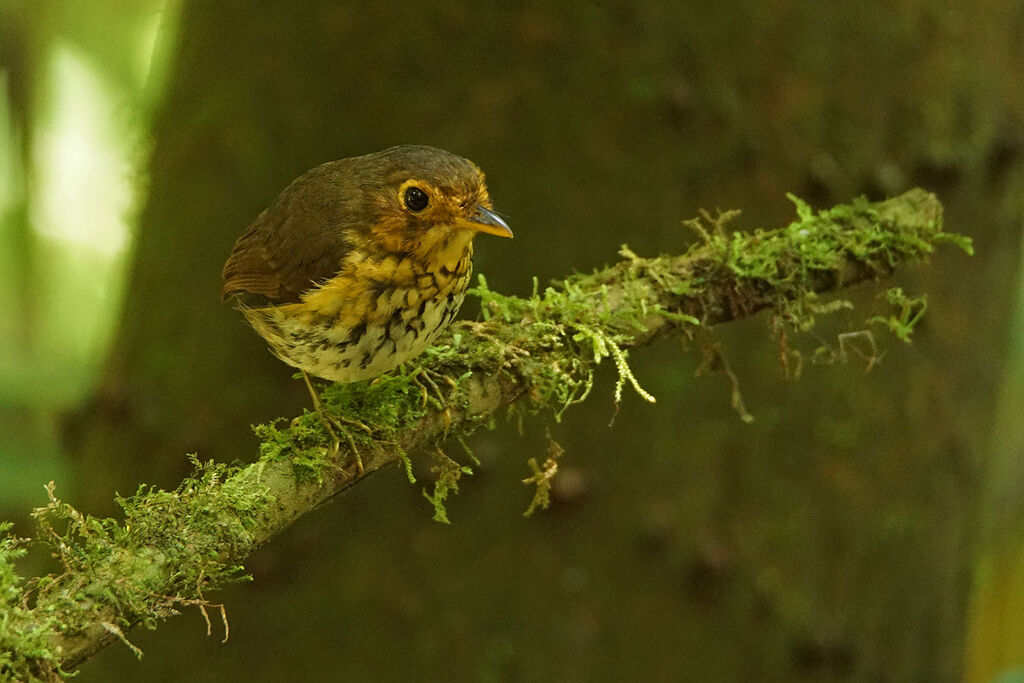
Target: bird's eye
416 199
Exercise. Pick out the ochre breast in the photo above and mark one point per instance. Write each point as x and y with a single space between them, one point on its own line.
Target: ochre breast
371 317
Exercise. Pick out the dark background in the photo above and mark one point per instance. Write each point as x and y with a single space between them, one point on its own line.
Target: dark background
864 527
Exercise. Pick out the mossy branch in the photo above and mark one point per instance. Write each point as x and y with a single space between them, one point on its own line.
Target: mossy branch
535 353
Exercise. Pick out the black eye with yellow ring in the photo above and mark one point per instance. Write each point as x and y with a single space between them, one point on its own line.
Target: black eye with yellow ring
416 199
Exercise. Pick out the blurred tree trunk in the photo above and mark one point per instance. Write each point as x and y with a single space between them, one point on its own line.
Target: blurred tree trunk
185 374
995 646
834 537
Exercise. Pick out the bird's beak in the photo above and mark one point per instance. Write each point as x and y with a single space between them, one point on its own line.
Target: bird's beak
485 220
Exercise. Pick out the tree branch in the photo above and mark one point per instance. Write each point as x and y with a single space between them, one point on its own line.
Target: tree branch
535 353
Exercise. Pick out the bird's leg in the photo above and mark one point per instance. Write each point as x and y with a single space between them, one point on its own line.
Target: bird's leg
425 396
423 381
425 373
452 384
321 411
318 405
333 424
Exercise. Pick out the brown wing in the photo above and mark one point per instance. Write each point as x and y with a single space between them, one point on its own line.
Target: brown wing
298 242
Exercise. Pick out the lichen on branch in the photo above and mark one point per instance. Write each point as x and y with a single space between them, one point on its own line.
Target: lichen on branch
534 353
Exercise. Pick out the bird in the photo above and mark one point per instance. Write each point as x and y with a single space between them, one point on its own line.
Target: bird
359 264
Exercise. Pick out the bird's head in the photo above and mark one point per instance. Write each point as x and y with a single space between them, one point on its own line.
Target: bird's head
427 203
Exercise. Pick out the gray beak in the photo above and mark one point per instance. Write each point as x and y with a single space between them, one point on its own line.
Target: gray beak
485 220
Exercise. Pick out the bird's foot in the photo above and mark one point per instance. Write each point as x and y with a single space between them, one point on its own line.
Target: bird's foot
335 424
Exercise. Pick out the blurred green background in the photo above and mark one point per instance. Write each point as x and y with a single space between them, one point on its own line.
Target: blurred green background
866 526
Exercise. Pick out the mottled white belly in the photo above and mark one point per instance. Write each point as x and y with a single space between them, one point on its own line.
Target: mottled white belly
349 354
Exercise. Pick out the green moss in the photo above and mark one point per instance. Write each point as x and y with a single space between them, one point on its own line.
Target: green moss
387 404
783 268
24 640
369 411
305 444
909 312
553 340
542 476
447 473
171 546
577 326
